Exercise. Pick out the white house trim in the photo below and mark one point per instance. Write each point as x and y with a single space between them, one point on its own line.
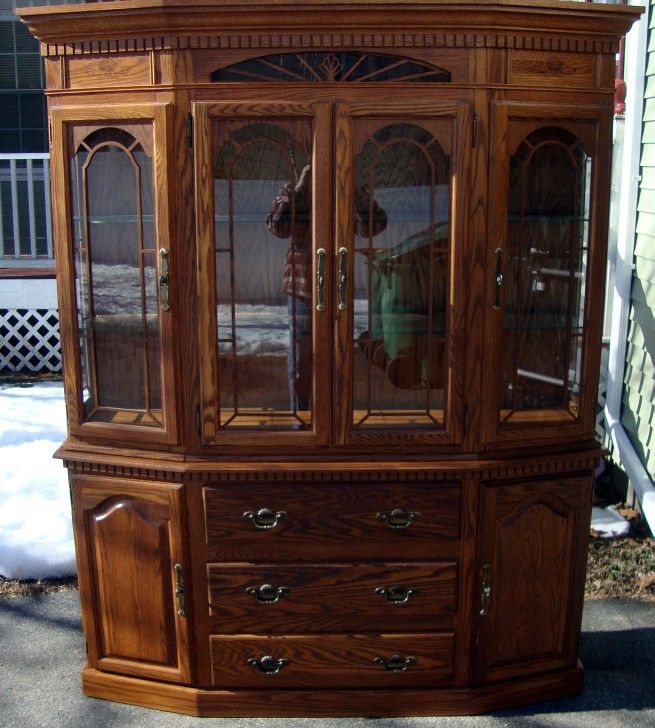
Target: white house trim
635 73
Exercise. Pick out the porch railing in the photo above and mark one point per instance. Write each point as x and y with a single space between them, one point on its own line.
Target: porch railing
25 219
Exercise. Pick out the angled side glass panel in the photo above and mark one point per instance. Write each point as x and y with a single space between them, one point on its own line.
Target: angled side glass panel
545 277
402 233
116 278
263 254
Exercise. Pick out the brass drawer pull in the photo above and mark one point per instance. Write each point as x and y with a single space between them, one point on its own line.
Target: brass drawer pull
267 593
264 518
395 663
268 665
396 594
398 518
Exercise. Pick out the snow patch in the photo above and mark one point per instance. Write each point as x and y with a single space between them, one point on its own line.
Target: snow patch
607 523
36 534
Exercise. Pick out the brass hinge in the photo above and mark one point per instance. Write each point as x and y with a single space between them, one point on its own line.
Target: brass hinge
198 422
50 132
189 130
474 131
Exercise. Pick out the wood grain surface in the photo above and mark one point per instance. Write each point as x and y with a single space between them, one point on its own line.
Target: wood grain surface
332 524
333 597
333 660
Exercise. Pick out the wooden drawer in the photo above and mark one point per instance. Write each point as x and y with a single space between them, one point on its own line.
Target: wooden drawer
334 523
339 661
332 598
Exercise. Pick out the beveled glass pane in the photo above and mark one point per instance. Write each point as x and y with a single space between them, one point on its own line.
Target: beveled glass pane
401 273
263 253
545 277
116 279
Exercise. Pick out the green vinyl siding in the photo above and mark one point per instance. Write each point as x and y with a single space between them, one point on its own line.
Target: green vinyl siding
645 247
648 178
638 401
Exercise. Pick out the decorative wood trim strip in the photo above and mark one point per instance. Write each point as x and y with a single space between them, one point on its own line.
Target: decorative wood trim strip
257 41
84 468
332 477
537 469
314 474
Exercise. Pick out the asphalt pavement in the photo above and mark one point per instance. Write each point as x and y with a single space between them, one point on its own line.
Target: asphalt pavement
42 653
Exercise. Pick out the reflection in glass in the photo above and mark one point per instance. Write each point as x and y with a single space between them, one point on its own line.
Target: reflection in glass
116 279
401 280
548 229
263 253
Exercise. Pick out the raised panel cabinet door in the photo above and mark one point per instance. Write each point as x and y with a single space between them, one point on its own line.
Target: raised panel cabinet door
132 577
400 195
263 178
546 271
532 561
115 262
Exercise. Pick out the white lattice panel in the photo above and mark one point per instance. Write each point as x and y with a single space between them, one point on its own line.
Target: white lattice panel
29 340
601 434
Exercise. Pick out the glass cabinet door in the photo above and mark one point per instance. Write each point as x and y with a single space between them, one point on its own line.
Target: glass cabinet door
120 257
398 258
541 273
264 230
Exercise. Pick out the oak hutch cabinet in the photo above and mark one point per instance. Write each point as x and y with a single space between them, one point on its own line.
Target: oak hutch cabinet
330 279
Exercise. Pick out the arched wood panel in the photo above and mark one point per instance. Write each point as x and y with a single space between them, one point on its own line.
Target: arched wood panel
129 543
533 542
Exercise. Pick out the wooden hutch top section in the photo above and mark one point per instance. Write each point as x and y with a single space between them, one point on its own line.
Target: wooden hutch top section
154 25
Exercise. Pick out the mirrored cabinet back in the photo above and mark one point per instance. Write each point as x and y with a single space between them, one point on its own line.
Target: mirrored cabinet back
330 279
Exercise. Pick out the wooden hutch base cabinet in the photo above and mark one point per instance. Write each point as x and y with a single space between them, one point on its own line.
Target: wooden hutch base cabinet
330 281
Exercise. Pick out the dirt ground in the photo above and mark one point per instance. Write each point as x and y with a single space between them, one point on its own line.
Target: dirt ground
622 567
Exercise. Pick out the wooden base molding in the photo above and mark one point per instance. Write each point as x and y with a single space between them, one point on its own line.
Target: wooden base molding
334 703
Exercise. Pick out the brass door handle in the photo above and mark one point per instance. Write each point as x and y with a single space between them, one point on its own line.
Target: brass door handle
485 590
342 283
264 518
398 518
267 593
321 255
396 594
164 289
179 590
395 663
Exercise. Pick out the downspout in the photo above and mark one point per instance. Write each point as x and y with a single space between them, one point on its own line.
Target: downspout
635 70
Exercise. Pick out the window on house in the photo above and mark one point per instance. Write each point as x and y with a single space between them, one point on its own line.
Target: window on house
23 120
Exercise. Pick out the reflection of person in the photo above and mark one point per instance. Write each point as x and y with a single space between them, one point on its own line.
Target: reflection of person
291 217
